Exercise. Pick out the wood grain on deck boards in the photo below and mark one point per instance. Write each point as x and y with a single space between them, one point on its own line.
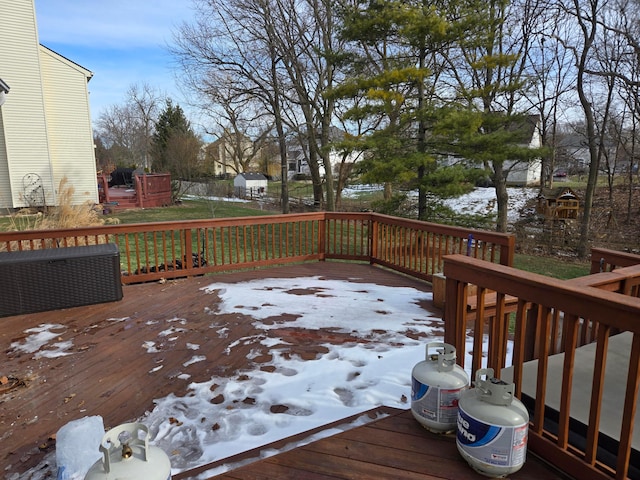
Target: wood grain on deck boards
110 370
394 447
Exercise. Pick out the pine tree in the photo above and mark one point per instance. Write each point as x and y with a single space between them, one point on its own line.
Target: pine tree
480 122
171 128
393 69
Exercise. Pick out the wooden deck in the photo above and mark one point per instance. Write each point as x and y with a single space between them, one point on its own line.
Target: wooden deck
394 446
102 372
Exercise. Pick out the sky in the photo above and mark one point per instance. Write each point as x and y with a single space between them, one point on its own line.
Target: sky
123 42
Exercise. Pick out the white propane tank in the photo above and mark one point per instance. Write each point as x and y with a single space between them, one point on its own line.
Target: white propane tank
436 385
492 427
126 455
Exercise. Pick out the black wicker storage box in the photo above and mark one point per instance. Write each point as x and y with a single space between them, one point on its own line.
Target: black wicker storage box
54 278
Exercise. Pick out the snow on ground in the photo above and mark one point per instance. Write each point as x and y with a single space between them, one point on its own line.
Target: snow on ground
481 201
228 415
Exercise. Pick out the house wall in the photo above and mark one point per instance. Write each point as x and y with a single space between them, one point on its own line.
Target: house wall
69 125
23 115
525 173
5 185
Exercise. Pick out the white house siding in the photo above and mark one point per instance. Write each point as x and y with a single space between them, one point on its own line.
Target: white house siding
69 124
24 126
524 173
5 185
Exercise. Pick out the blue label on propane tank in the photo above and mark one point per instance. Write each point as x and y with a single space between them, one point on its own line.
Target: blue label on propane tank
474 433
418 389
492 444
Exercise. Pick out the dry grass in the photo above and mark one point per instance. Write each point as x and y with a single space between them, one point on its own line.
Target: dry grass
64 216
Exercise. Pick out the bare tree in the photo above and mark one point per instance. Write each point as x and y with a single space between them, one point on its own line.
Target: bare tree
278 53
241 124
120 133
490 70
553 80
145 102
236 39
126 129
596 54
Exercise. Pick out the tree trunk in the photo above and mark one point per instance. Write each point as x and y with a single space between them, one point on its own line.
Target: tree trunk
502 196
589 31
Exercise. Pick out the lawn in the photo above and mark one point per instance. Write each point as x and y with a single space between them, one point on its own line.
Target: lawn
551 266
190 210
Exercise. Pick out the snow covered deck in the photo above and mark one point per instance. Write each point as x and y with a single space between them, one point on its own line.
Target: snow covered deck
222 365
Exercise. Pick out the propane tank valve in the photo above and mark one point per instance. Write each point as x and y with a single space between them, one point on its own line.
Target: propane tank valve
127 452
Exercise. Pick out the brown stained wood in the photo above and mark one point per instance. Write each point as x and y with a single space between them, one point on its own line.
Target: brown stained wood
595 408
630 404
109 371
395 446
570 327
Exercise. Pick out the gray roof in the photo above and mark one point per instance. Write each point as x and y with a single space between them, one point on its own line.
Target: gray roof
253 176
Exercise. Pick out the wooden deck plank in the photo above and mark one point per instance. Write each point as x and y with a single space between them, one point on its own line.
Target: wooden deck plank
109 372
395 446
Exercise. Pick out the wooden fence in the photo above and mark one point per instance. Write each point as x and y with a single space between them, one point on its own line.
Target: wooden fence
152 251
544 316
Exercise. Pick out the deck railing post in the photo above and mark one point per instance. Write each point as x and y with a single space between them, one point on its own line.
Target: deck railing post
105 187
322 237
507 252
373 239
454 316
139 191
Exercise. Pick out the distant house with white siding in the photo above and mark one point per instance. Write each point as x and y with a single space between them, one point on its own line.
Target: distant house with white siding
519 173
45 123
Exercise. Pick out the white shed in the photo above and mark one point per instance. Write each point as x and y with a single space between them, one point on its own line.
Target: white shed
251 185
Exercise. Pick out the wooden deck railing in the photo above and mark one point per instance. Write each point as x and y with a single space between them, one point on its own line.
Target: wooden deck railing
151 189
552 315
152 251
604 260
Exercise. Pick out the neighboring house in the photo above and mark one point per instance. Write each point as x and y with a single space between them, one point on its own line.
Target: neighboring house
45 123
222 157
234 153
527 173
297 157
250 185
520 173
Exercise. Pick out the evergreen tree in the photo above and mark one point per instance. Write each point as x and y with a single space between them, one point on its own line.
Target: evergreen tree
480 122
393 69
172 129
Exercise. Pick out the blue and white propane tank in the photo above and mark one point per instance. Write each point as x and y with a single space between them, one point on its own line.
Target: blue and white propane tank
436 385
492 426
